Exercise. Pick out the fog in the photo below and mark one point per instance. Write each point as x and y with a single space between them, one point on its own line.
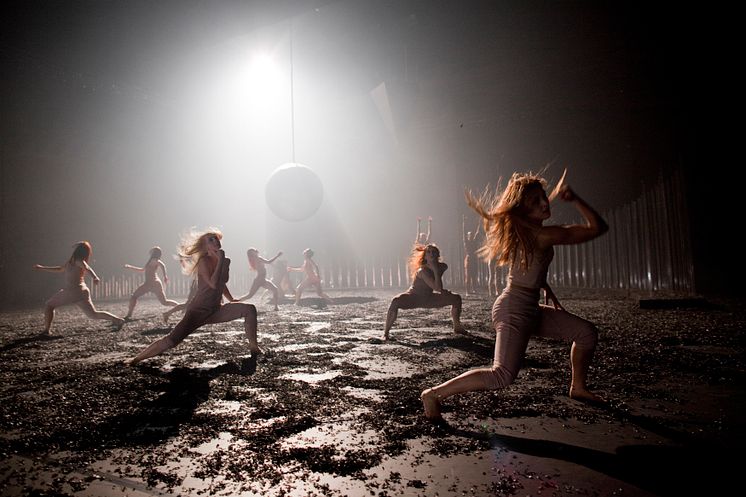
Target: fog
126 123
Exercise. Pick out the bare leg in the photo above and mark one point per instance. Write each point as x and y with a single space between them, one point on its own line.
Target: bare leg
235 310
321 293
48 317
91 312
139 292
580 361
456 315
175 308
391 315
476 379
156 348
275 292
161 295
299 291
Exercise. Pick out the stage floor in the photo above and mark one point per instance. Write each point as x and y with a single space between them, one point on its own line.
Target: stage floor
329 409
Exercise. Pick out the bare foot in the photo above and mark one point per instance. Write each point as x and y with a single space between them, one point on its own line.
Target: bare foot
584 395
118 324
166 315
255 350
431 404
459 329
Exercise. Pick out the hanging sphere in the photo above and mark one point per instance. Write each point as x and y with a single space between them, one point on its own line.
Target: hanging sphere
294 192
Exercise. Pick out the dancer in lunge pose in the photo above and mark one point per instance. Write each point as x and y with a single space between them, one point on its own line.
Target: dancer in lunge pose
516 237
203 254
75 290
311 277
427 289
257 263
152 283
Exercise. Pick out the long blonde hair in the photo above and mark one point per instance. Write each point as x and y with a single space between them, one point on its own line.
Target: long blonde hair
508 234
417 257
192 248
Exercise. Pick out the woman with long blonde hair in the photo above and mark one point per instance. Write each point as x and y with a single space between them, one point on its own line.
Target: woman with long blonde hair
75 290
426 270
516 237
202 254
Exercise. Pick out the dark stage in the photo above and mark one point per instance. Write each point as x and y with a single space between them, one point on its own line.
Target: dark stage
330 410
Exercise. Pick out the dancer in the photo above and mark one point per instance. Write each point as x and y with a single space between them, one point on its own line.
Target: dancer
427 289
311 277
152 283
281 277
203 254
75 290
423 238
257 263
471 264
517 237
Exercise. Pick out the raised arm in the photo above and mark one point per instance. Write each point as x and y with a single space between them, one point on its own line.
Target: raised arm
51 269
463 228
417 234
429 228
574 233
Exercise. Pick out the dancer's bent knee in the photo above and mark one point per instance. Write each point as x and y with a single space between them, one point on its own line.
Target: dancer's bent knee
499 377
588 339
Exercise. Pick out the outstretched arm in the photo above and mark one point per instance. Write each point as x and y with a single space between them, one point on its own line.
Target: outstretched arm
574 233
273 259
51 269
134 268
463 227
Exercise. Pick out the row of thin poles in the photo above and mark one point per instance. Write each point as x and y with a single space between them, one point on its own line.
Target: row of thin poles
647 248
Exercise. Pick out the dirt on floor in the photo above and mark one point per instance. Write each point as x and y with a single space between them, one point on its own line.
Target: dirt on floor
330 409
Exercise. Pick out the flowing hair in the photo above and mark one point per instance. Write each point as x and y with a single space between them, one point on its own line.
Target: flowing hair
81 252
191 248
417 257
508 234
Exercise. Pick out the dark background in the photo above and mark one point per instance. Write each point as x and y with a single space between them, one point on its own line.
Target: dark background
100 139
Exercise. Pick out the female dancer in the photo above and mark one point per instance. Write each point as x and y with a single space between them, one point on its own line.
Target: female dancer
471 265
423 238
427 288
203 254
310 277
75 291
517 237
257 263
152 283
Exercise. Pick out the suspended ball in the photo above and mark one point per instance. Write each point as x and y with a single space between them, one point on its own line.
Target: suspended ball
294 192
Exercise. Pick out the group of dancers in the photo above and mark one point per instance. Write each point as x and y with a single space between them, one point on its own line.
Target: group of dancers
514 236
